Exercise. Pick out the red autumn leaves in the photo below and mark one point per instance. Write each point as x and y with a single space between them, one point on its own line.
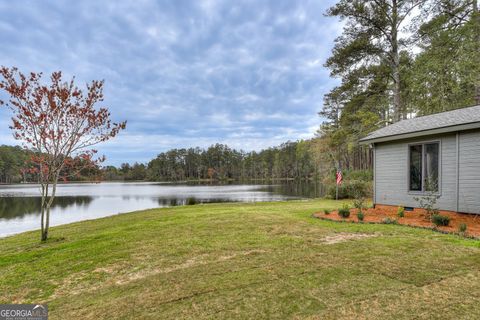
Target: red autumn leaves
59 124
57 121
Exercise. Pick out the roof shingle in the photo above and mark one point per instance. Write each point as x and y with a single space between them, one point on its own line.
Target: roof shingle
425 123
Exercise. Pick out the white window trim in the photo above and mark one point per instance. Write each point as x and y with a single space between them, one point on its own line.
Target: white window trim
423 143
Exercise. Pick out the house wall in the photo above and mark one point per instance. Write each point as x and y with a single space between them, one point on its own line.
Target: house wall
469 172
391 173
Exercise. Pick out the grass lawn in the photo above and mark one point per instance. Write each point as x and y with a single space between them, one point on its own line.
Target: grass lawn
246 261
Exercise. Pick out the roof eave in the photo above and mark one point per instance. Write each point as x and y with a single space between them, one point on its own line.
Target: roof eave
449 129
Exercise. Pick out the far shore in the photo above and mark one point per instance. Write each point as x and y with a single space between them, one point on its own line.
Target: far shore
176 181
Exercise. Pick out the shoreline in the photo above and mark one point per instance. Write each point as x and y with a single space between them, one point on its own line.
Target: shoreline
173 182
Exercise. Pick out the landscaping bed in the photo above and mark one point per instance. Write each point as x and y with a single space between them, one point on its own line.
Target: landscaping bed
416 218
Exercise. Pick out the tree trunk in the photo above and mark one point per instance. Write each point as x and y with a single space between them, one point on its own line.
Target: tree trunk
397 103
47 202
476 17
44 233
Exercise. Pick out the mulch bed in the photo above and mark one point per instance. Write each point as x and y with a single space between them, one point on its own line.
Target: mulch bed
415 218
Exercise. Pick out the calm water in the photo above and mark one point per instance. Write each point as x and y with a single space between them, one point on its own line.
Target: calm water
19 204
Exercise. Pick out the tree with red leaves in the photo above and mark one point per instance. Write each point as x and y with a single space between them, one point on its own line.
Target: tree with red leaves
59 123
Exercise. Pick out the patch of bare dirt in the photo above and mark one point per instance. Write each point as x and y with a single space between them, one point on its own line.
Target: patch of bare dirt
121 274
345 236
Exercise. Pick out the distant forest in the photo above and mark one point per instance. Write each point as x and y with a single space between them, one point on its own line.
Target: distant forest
291 160
14 167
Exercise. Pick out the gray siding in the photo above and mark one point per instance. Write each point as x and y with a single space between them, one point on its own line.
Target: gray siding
469 172
391 170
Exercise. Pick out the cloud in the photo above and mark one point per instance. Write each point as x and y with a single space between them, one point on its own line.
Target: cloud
183 73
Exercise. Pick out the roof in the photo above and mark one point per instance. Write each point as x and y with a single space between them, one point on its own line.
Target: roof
450 121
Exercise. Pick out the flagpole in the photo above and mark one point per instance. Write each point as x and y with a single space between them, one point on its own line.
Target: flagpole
337 189
336 184
338 180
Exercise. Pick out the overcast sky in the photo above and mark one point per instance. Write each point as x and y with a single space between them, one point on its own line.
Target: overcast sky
183 73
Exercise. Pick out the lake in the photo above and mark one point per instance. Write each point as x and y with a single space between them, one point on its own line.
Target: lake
20 203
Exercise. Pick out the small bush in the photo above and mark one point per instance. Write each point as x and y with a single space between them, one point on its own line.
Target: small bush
389 220
191 201
429 201
462 228
363 175
360 216
344 212
440 220
359 203
350 189
401 212
326 211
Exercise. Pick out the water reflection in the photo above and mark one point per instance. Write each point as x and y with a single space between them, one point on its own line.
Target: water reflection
19 204
17 207
190 201
304 189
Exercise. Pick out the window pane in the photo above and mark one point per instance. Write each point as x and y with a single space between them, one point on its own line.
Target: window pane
416 168
431 166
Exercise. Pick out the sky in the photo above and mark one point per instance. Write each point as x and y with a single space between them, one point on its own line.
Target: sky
248 74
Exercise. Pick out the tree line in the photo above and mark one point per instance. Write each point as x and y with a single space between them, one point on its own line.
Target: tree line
291 160
303 159
16 165
398 59
12 162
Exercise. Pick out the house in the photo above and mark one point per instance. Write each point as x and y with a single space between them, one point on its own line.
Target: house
437 154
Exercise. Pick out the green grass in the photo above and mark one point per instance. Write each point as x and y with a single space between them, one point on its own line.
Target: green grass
246 261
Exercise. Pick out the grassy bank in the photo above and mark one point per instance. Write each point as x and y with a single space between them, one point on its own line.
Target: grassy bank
264 260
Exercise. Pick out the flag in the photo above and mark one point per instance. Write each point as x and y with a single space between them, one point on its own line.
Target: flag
339 177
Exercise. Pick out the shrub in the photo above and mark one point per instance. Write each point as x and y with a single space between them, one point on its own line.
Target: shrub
326 211
440 220
359 203
462 228
360 216
429 201
364 175
344 212
401 212
191 201
350 190
389 220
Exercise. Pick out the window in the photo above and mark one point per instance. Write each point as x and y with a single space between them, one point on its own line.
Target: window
431 166
424 164
416 168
